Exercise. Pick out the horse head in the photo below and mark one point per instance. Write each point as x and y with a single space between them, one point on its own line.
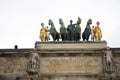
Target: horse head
53 31
61 22
79 20
89 22
50 22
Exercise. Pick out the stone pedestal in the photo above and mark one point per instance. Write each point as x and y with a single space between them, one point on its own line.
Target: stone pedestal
97 45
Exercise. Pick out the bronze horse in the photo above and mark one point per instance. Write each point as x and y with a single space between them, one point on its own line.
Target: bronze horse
63 31
87 31
53 31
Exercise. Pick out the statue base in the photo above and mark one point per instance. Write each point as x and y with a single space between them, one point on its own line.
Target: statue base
73 45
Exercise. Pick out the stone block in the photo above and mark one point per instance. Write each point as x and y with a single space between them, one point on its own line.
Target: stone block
71 45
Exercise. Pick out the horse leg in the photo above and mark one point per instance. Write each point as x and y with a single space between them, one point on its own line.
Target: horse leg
54 37
67 37
87 37
78 36
62 36
83 36
57 36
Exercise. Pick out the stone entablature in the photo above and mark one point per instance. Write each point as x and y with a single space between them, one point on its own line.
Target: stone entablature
69 60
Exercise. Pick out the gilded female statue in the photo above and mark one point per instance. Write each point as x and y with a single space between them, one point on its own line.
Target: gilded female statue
44 33
97 32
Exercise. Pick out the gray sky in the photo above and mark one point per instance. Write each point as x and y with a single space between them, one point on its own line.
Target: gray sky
20 19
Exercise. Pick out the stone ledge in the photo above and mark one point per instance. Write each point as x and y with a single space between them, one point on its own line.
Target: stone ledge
81 45
70 74
33 78
108 78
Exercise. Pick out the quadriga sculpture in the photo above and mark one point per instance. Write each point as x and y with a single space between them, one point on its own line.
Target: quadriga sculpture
87 30
53 31
43 33
63 31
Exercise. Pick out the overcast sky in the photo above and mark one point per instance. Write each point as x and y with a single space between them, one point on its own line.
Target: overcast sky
20 19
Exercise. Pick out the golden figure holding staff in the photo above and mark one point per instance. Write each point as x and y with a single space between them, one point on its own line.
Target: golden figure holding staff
44 33
97 32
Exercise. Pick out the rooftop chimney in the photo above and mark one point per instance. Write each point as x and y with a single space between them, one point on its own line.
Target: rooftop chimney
16 47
